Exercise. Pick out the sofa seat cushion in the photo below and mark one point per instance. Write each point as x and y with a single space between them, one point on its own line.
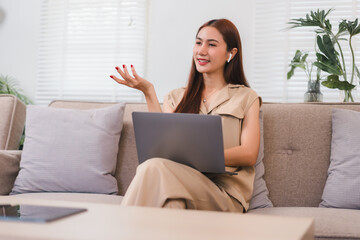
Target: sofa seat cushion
73 197
331 223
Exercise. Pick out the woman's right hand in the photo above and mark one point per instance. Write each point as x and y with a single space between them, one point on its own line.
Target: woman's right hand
134 81
141 84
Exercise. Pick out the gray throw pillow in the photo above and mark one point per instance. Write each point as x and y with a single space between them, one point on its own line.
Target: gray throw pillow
342 188
68 150
260 197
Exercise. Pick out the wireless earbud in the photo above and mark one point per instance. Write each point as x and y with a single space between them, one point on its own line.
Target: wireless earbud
229 58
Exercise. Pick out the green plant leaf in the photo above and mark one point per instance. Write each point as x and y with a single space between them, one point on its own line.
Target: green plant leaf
327 48
303 59
314 19
298 61
342 29
327 60
321 58
321 45
328 25
297 56
334 82
290 73
8 85
353 27
298 65
329 68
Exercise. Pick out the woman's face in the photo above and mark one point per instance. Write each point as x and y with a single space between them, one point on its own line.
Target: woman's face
210 51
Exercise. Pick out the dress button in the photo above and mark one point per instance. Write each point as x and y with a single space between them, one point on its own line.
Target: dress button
289 152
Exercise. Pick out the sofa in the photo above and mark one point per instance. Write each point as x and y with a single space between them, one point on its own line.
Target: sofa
296 156
12 120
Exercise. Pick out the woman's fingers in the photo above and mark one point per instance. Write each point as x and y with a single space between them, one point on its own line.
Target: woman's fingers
135 73
125 75
118 80
133 81
122 74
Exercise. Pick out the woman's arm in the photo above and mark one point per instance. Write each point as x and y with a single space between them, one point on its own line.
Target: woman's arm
141 84
166 108
246 153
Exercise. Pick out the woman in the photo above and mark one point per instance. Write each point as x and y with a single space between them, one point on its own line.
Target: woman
216 85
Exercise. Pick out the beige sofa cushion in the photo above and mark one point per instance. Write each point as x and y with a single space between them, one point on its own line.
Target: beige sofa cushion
73 197
12 121
297 141
330 223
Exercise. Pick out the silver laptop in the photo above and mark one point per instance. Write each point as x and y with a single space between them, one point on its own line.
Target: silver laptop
191 139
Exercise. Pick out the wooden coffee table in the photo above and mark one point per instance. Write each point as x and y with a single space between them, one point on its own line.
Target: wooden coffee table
104 221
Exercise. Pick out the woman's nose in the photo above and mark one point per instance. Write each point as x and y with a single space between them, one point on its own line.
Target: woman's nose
203 50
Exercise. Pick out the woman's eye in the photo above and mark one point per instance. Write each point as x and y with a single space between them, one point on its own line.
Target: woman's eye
198 43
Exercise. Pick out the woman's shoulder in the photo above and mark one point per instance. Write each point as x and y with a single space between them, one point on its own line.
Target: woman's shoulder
174 97
178 92
239 92
241 99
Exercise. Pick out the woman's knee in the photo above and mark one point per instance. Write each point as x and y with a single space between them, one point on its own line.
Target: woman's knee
175 203
152 164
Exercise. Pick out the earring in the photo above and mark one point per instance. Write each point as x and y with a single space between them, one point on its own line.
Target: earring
229 58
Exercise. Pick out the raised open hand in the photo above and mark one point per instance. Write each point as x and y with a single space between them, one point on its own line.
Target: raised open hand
137 82
134 81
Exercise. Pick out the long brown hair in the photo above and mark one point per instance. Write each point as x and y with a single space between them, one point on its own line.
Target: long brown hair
233 72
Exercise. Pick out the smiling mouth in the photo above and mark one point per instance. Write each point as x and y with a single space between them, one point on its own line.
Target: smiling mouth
203 61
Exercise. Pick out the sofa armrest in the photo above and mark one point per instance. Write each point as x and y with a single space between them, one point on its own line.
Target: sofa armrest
9 169
12 121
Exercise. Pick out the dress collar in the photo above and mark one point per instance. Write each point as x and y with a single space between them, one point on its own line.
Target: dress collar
222 96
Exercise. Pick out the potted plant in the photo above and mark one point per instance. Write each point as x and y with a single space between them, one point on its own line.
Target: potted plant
299 60
329 54
8 85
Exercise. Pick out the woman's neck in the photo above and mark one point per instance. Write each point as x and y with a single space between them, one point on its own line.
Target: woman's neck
213 82
212 85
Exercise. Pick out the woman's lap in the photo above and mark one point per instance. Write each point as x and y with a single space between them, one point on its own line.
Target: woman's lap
159 181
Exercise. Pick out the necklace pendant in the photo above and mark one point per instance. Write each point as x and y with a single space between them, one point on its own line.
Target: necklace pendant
204 100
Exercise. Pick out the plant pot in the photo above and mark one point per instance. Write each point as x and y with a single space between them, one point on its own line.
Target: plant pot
313 93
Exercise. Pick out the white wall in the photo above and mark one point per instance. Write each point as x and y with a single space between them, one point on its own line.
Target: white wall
18 41
172 28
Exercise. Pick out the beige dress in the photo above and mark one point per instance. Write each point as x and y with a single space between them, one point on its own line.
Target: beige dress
164 183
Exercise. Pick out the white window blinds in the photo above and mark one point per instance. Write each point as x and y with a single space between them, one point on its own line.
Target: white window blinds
81 42
274 47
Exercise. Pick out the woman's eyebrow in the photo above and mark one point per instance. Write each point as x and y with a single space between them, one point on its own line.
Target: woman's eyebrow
208 40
